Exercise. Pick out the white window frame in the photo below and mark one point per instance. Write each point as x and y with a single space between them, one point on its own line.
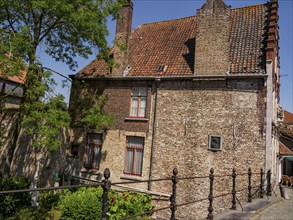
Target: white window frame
138 93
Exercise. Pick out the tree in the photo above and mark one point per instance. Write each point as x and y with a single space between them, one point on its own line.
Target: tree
65 29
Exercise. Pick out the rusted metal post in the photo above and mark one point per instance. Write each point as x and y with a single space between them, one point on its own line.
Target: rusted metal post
249 185
261 191
269 184
234 189
211 209
173 205
106 187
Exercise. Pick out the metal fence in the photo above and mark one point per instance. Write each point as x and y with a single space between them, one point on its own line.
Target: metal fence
259 191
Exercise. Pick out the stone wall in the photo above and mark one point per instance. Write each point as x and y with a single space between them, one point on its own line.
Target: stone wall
118 103
212 39
8 126
188 112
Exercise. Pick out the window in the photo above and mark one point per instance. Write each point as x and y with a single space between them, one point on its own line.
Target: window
215 142
92 155
74 149
134 156
138 102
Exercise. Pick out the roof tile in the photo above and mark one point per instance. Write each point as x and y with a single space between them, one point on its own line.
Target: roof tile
172 43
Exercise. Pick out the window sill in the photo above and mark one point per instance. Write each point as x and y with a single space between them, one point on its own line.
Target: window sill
214 150
136 178
90 171
137 119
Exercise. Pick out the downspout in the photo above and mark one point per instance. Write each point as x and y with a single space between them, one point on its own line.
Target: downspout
157 81
269 118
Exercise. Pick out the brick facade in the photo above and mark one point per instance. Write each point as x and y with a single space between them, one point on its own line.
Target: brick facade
212 39
188 112
211 74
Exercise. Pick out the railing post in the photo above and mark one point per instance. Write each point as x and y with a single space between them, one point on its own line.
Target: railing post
234 189
173 205
211 209
269 185
106 187
249 185
261 191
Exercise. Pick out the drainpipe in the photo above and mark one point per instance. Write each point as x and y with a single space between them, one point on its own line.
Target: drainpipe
157 81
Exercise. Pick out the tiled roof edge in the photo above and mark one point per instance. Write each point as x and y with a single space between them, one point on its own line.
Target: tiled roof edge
165 21
194 16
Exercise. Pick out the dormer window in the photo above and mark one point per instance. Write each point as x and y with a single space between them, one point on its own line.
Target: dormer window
138 102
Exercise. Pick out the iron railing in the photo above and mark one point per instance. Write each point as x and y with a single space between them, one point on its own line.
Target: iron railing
106 186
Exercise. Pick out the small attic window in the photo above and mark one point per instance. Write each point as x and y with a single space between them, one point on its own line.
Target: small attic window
160 68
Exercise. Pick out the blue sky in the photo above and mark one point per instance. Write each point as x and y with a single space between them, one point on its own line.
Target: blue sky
146 11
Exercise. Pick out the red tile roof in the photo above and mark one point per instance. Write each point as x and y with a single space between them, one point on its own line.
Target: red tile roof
172 44
288 117
17 79
283 150
286 132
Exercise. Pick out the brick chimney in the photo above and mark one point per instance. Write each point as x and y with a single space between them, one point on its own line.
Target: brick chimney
123 31
212 38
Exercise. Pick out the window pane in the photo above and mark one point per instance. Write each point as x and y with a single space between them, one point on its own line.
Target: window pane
135 91
142 106
129 159
97 157
95 138
142 91
135 141
89 156
134 106
138 162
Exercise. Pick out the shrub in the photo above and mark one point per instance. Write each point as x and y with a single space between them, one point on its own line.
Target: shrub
83 204
128 204
50 199
86 203
10 203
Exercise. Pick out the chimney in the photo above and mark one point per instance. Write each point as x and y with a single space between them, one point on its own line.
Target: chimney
212 38
123 31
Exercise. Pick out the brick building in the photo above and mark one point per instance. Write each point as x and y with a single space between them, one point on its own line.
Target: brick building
286 143
192 93
11 97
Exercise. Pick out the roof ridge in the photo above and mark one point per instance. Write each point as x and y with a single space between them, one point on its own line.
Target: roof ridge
249 6
164 21
194 16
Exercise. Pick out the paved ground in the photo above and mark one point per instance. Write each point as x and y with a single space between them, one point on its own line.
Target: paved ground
282 210
272 208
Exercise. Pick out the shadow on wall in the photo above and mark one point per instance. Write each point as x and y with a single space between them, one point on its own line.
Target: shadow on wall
38 164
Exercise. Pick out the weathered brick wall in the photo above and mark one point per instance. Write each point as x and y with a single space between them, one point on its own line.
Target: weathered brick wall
123 31
187 113
118 103
212 39
8 122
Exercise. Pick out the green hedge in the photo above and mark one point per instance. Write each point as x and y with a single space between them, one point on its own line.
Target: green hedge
11 203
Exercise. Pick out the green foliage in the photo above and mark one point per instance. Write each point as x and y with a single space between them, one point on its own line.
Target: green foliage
128 204
83 204
94 117
65 30
31 213
10 203
49 200
44 118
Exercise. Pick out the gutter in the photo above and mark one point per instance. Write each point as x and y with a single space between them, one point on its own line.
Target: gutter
193 77
153 133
